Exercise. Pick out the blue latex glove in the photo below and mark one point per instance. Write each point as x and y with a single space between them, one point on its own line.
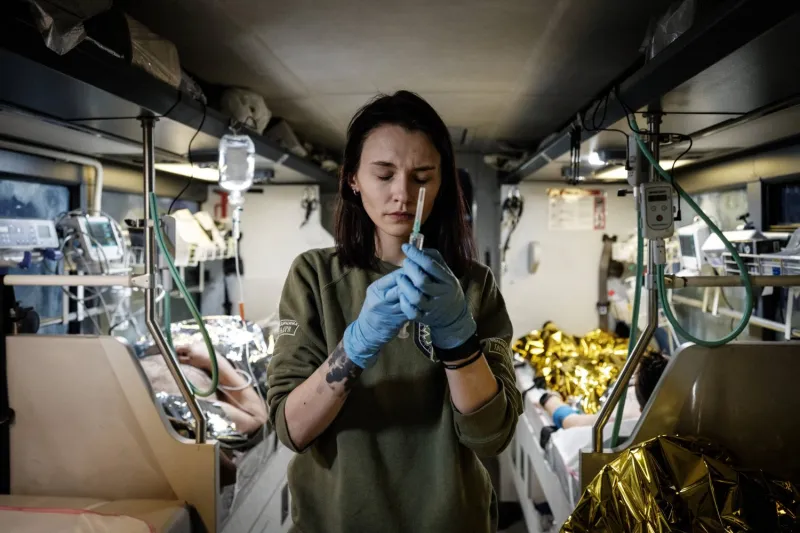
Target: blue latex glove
430 293
378 322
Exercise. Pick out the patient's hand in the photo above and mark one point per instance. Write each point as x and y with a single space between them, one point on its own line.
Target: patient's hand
195 355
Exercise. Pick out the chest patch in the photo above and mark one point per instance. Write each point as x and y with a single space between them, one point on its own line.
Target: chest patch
422 338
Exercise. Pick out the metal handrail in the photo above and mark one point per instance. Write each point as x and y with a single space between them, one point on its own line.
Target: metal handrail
148 124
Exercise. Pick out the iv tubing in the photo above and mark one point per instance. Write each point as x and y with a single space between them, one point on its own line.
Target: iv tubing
239 283
189 302
743 273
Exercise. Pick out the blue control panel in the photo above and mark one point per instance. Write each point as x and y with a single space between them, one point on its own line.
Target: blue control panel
27 234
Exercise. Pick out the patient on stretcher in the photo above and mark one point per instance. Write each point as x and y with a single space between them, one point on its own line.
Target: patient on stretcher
240 402
647 376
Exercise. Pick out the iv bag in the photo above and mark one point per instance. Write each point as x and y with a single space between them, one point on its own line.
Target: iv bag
236 162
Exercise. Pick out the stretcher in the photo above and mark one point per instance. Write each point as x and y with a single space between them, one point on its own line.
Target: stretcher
544 462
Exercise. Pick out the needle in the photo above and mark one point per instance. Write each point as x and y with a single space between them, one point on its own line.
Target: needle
416 237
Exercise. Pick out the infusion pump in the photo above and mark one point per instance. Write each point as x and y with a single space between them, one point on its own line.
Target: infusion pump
99 238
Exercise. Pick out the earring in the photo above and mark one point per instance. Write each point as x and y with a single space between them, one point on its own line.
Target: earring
355 191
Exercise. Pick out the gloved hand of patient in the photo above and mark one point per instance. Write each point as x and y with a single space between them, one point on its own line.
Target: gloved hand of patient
378 322
430 293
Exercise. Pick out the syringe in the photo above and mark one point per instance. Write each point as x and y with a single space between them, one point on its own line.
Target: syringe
416 239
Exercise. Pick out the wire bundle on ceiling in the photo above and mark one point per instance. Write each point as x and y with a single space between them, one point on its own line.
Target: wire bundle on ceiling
512 209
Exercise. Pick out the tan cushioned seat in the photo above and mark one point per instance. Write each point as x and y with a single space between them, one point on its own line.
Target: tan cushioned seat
161 516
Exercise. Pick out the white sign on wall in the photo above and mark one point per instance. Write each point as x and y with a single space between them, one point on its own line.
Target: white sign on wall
575 209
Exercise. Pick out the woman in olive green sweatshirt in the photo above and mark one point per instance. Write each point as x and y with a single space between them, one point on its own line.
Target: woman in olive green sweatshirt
392 370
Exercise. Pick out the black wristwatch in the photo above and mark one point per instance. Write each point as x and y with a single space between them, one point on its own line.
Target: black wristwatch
463 351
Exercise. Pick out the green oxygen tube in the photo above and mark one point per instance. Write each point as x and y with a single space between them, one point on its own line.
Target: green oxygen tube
637 297
743 273
189 302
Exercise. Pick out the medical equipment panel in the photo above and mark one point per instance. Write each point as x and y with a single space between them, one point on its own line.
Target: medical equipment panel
657 219
21 234
690 240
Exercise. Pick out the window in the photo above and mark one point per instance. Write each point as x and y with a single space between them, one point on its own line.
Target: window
782 205
24 199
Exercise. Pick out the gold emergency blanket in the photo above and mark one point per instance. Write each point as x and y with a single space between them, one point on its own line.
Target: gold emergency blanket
678 484
580 368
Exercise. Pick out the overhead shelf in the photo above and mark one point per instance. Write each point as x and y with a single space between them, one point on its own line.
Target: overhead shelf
706 68
88 82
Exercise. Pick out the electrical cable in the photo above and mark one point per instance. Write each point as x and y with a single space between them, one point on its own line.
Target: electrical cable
90 316
97 292
629 112
575 155
513 205
189 301
191 163
595 127
594 114
605 112
672 170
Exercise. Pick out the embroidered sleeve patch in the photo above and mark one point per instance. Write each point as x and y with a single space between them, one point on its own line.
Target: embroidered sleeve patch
496 346
422 338
287 327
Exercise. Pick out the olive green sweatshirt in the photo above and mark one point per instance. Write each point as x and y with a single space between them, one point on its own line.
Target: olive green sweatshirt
399 457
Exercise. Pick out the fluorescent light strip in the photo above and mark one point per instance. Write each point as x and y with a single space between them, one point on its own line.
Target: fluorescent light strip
595 160
200 173
619 172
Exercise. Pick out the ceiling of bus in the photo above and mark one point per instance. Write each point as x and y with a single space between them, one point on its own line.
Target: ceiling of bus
503 70
759 75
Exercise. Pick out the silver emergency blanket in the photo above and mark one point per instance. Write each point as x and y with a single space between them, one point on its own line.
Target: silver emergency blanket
61 21
242 344
220 427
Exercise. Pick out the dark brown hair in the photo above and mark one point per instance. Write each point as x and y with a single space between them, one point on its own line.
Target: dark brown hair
446 229
648 375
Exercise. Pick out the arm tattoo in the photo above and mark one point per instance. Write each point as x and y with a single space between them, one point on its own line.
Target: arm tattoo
341 369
